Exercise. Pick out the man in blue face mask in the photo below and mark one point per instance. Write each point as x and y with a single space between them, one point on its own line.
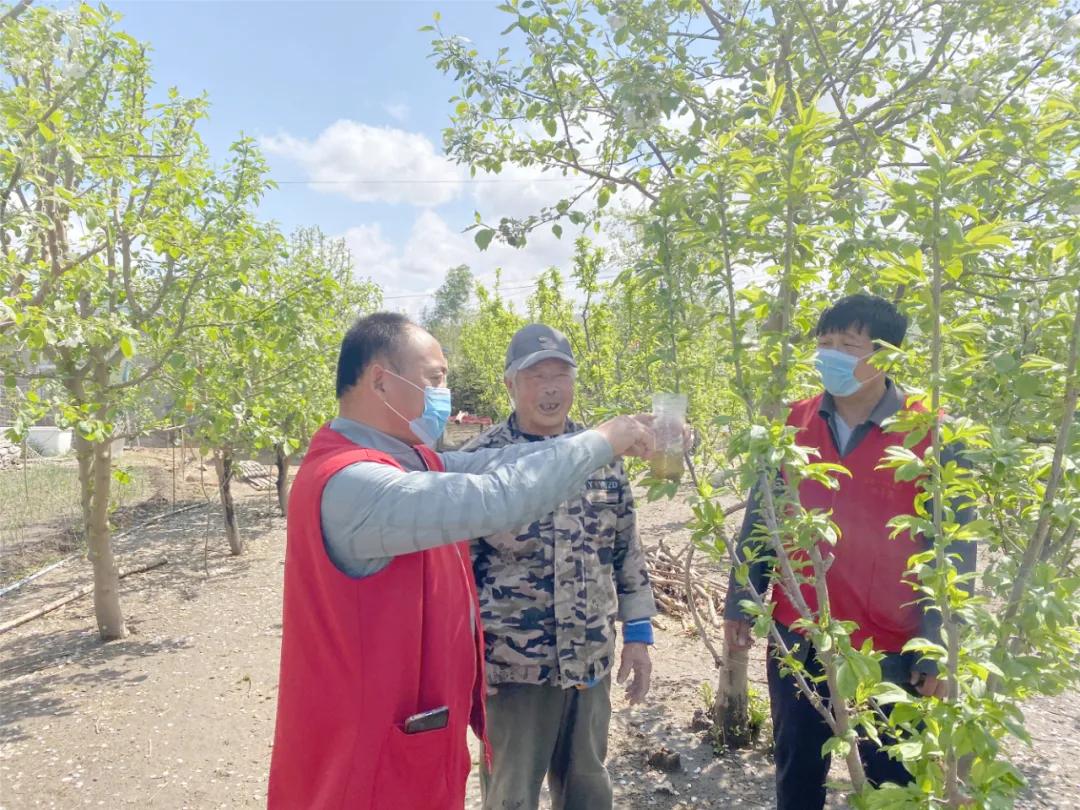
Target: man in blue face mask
382 669
866 580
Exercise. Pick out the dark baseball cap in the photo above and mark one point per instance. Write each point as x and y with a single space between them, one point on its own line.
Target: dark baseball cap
537 342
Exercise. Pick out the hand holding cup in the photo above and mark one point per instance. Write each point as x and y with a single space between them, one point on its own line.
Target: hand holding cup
630 435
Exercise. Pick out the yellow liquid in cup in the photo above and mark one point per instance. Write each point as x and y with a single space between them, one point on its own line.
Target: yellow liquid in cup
667 465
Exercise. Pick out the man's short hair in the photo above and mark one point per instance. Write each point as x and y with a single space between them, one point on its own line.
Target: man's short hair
380 334
865 313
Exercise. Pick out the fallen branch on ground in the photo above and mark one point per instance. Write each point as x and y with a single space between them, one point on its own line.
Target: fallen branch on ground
16 585
78 593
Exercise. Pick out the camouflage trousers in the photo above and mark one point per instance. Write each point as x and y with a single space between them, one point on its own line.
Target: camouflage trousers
539 731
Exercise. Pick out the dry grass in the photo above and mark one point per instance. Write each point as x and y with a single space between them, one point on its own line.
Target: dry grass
40 515
43 492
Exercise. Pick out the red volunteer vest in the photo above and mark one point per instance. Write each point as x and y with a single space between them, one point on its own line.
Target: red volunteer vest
359 656
866 580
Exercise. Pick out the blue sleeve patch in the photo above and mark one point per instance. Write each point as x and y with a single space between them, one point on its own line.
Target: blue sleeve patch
638 632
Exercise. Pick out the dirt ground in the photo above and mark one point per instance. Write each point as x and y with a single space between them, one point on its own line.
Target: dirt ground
180 714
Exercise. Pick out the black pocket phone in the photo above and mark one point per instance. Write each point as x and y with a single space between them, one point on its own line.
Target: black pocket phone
428 721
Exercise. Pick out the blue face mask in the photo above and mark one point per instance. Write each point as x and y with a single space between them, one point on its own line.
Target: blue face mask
429 425
837 371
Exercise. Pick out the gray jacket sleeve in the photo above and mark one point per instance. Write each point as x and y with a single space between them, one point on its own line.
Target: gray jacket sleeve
372 511
486 459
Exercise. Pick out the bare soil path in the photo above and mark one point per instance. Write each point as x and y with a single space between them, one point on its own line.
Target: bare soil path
180 714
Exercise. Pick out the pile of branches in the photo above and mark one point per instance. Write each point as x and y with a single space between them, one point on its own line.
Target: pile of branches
676 580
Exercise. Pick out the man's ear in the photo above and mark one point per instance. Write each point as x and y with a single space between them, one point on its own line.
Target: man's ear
378 377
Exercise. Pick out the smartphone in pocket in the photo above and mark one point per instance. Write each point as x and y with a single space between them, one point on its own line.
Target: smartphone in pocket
428 721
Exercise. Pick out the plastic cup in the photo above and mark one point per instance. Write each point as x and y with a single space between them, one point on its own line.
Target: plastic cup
669 419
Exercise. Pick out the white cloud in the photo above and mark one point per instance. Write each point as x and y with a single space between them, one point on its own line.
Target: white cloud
371 252
418 267
372 164
519 191
399 112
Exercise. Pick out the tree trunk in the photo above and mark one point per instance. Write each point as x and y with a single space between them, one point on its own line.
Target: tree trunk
731 715
84 452
281 459
223 462
95 479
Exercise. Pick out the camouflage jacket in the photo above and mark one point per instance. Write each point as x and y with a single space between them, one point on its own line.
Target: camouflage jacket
551 591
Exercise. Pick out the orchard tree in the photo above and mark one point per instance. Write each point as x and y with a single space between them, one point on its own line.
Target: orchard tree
476 368
222 364
451 306
112 221
781 153
446 319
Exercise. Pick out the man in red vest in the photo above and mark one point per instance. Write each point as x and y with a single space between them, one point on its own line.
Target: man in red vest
381 651
866 580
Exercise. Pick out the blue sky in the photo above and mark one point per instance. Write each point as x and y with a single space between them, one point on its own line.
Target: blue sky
340 91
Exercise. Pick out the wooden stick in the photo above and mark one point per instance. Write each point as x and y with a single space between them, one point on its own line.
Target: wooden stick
668 604
78 593
712 613
688 572
671 583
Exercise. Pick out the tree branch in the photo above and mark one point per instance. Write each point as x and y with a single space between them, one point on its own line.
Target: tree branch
717 21
829 79
1034 550
915 79
14 12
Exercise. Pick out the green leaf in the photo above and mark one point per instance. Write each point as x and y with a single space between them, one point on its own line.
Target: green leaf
887 693
847 680
908 750
483 238
986 236
836 745
557 230
1004 363
127 347
777 100
927 647
1026 385
550 127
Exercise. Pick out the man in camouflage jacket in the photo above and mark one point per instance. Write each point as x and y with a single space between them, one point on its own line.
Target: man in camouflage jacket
550 595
